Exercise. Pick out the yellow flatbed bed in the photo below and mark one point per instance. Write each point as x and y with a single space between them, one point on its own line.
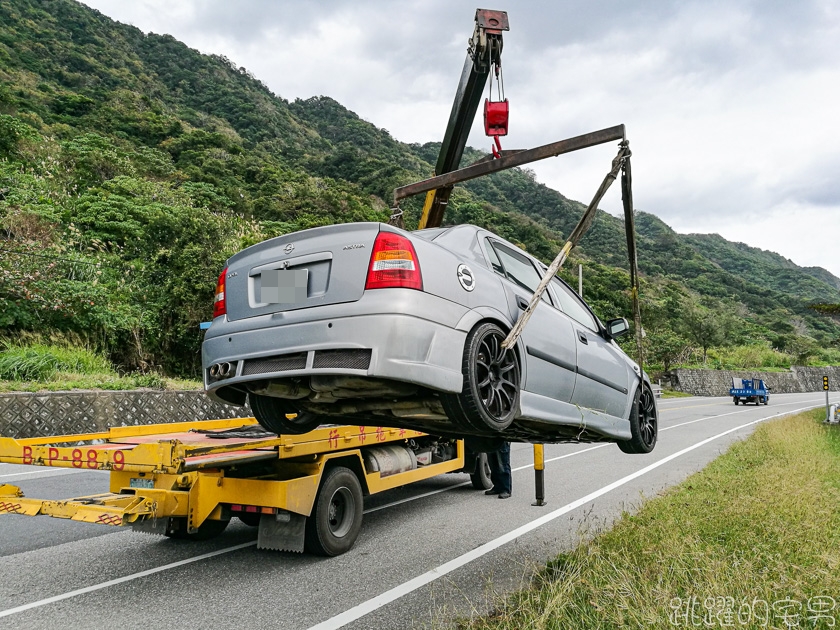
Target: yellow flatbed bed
186 480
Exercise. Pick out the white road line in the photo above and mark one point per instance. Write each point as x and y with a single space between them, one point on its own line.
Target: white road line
466 483
419 496
389 596
731 413
58 472
127 578
357 612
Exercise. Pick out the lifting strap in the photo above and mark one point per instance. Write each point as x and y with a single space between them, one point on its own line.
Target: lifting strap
630 231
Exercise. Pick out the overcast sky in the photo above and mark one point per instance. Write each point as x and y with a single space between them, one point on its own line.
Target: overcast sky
731 107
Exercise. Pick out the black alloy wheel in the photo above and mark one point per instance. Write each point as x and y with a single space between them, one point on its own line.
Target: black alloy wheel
489 398
644 423
280 416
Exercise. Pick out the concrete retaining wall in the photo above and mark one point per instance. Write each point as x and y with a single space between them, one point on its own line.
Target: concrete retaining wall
718 382
24 415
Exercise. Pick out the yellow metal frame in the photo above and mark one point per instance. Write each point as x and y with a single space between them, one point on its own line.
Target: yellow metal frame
198 495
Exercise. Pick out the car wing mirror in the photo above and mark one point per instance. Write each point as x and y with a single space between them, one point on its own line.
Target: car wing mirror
617 327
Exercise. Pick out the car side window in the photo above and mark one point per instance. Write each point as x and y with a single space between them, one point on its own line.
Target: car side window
515 267
572 305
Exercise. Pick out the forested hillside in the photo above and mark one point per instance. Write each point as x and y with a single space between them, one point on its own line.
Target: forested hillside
132 166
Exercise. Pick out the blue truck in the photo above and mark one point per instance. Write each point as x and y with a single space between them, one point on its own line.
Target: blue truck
749 390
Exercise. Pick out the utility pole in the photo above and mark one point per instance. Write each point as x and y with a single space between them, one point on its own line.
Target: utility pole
580 281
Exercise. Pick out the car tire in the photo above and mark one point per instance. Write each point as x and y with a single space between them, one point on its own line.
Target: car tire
273 415
489 398
644 423
336 517
736 400
481 477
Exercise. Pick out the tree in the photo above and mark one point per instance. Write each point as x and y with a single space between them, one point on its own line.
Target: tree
705 327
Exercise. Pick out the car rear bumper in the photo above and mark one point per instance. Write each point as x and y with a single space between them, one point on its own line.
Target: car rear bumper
401 348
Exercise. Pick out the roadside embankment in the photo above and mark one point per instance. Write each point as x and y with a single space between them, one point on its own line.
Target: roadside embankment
25 415
718 382
751 541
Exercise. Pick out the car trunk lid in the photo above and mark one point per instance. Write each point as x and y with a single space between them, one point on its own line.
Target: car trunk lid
325 265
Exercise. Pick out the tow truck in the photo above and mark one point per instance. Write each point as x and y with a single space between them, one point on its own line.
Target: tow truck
187 480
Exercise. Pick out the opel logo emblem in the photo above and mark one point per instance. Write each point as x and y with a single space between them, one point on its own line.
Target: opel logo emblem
465 277
289 248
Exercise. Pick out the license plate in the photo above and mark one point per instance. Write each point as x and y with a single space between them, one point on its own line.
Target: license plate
283 286
136 482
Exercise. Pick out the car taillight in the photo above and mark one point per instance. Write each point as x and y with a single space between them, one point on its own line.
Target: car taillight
393 263
219 305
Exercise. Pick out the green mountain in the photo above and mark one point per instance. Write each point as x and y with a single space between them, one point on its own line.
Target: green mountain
131 166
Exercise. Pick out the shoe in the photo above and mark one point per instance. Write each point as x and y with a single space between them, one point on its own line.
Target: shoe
504 495
491 491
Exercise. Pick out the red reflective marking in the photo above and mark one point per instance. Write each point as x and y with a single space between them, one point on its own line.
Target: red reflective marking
119 460
12 508
52 455
109 519
27 454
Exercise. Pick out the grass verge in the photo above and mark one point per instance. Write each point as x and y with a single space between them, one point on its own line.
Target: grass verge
50 367
673 393
751 541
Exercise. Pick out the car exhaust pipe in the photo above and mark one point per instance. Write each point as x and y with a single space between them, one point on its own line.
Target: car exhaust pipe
221 370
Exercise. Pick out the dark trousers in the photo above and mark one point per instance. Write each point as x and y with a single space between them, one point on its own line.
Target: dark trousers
500 473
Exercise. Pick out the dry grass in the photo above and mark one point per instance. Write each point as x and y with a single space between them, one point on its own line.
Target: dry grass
759 524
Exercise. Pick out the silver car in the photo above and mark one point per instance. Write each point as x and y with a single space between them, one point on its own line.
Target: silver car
366 323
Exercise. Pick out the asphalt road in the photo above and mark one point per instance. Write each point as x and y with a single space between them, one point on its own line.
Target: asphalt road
427 552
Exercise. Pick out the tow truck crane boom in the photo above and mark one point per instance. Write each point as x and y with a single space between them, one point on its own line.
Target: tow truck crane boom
485 51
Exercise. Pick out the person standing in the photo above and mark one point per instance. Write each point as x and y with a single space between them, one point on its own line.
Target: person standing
500 473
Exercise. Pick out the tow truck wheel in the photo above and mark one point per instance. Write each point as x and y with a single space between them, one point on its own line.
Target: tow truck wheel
336 518
644 423
489 398
481 477
207 530
281 417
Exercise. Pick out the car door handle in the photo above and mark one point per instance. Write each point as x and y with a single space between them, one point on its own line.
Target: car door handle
521 302
583 338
